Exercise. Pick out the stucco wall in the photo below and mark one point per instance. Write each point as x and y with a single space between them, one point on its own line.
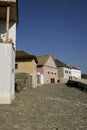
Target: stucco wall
12 31
76 73
64 73
7 54
67 72
60 72
49 71
26 67
30 68
40 70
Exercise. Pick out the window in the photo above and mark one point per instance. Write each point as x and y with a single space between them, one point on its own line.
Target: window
52 73
66 71
16 66
48 72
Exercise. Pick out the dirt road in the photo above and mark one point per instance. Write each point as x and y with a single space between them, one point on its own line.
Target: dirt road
50 107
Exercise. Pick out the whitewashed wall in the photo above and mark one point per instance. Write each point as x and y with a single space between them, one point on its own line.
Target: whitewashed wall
60 72
64 72
7 67
33 82
76 73
12 30
67 72
40 79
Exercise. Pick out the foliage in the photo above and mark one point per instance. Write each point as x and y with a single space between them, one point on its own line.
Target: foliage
84 76
22 80
77 84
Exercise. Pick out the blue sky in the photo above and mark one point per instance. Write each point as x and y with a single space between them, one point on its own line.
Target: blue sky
57 27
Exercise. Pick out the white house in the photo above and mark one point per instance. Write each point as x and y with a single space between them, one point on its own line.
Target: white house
67 71
8 23
76 72
46 70
64 70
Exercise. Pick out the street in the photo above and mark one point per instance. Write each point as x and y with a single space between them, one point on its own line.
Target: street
50 107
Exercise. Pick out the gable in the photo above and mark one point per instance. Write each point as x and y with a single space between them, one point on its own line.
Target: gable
42 59
50 62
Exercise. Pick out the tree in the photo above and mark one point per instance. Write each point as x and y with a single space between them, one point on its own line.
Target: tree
84 76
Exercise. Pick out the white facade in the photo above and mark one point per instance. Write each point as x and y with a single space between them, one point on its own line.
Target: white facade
40 79
76 74
7 67
69 73
12 32
33 81
64 73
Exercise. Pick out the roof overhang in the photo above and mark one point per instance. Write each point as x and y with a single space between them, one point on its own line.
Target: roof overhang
22 55
13 4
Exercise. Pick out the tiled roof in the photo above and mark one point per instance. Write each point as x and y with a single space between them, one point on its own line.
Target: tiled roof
75 67
22 55
61 64
42 59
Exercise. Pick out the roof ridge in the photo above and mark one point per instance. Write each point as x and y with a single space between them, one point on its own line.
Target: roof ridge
44 55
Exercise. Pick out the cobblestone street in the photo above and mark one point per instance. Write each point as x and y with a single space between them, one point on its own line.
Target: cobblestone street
50 107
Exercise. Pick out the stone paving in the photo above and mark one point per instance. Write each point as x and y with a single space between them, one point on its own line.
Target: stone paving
50 107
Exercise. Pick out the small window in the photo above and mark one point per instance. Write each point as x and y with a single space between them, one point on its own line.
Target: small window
66 71
48 72
16 66
52 73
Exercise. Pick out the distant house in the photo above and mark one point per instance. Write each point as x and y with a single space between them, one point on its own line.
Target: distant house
67 71
27 63
46 70
76 72
64 70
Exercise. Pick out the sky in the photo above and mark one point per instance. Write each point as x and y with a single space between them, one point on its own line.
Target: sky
56 27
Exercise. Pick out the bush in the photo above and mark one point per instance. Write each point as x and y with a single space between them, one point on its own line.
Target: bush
21 80
77 84
84 76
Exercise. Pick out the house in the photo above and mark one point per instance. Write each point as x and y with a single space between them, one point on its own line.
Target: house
27 63
64 70
46 70
76 72
8 25
67 71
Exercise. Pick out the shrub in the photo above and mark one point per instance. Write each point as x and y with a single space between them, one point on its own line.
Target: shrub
84 76
21 80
